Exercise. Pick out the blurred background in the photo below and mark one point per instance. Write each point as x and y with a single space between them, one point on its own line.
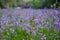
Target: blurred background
30 3
29 24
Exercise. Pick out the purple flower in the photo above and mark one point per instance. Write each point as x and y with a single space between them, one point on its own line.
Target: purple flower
27 31
47 23
26 18
37 27
2 26
36 21
17 23
5 22
27 24
34 33
11 25
57 22
32 28
13 17
4 19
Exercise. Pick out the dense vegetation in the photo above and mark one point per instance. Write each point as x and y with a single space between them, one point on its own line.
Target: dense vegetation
29 24
41 3
32 3
9 3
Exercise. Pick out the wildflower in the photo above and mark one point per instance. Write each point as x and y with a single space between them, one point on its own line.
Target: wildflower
27 24
32 28
28 31
37 27
2 26
36 21
11 25
57 23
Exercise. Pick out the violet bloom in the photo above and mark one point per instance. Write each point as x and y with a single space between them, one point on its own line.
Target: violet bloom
37 27
5 22
13 17
26 18
59 25
17 23
36 21
11 25
27 24
32 28
47 23
27 31
57 22
2 26
4 19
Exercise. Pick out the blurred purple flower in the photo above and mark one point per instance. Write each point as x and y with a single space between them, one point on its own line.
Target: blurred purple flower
2 26
26 18
56 17
57 22
37 27
27 24
13 17
11 25
32 28
36 21
17 23
27 31
4 18
47 23
5 22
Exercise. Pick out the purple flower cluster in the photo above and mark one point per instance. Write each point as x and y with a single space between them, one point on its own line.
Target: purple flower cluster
57 23
21 18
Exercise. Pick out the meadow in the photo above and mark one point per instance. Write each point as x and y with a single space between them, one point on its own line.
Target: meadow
29 24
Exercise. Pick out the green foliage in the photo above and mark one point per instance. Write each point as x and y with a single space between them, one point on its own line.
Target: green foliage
0 14
9 3
48 3
59 6
32 3
41 3
35 3
16 33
